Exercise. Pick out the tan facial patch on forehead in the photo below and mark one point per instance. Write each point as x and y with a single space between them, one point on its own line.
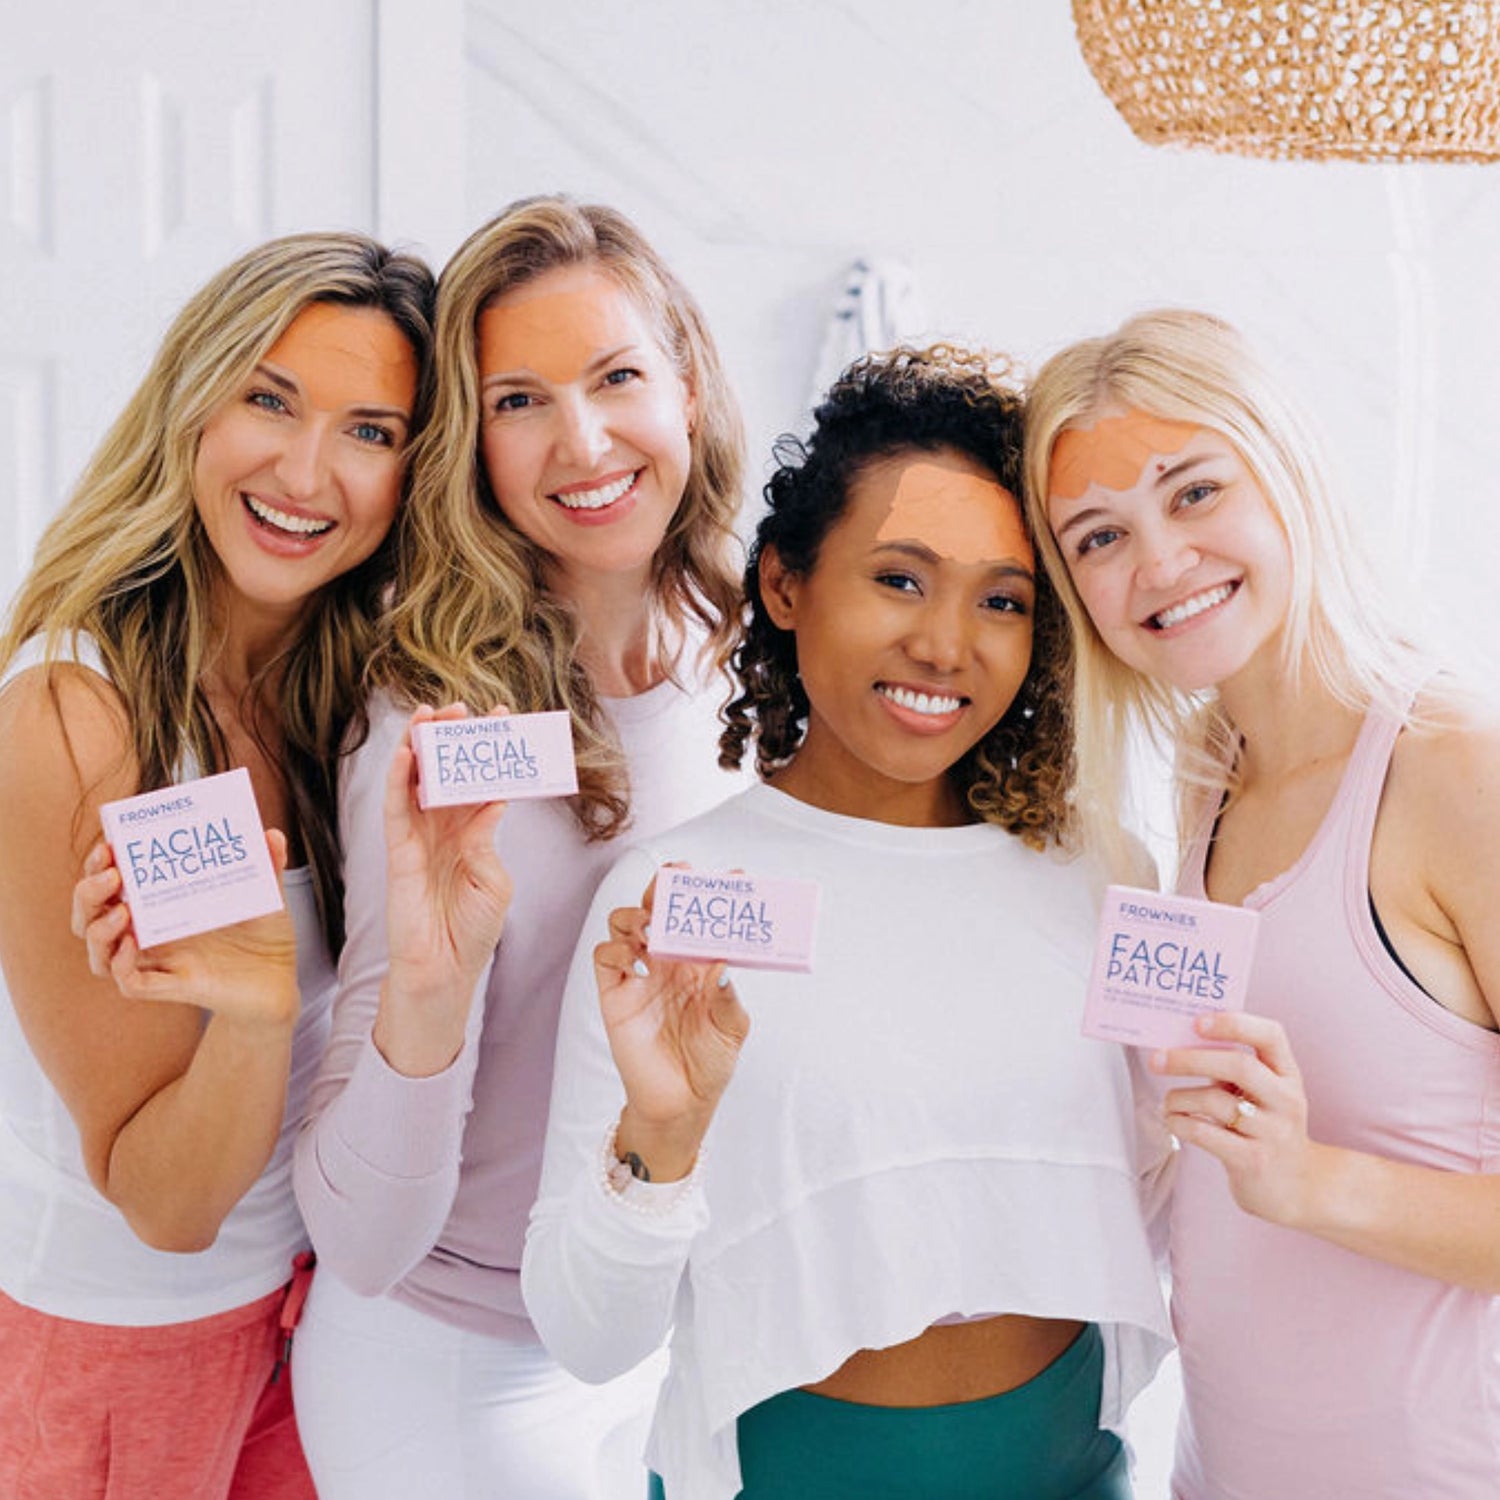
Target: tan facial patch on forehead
1113 452
347 356
959 515
557 334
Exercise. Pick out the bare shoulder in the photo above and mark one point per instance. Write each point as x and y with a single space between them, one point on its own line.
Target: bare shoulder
1446 771
65 747
64 740
65 698
1444 802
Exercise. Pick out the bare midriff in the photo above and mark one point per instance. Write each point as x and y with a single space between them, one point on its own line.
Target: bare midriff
952 1362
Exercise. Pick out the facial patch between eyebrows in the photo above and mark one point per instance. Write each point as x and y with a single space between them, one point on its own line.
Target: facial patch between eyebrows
556 335
1113 453
347 356
960 516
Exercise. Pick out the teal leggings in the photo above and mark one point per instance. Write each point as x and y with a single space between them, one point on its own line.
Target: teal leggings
1040 1441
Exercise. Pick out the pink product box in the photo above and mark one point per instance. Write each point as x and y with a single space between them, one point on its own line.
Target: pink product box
1163 960
504 757
193 857
736 918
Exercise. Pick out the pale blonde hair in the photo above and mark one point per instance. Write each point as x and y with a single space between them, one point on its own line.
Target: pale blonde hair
128 562
1191 367
472 618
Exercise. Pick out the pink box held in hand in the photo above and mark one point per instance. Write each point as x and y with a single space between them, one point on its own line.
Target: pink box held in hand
738 919
193 857
1161 961
499 758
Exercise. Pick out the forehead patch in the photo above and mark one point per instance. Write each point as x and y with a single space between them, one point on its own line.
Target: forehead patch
959 515
347 356
1113 453
556 334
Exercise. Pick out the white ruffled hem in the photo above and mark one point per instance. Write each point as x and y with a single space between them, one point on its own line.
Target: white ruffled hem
874 1261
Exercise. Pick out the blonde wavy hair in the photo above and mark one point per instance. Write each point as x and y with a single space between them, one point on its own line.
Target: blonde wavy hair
472 617
127 560
1186 366
906 401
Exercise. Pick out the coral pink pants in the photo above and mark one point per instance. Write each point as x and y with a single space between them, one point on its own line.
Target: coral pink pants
184 1411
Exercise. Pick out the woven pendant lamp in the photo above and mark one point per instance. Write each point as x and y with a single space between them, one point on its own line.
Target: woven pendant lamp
1361 80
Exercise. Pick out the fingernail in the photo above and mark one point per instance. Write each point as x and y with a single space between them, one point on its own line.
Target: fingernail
646 931
724 980
640 968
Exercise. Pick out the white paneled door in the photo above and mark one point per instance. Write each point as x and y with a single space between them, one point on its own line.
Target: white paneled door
142 146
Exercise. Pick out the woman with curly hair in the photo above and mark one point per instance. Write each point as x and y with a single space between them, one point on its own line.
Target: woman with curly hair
895 1227
566 546
207 599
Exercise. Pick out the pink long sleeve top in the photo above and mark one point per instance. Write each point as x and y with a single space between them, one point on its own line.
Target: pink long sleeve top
420 1187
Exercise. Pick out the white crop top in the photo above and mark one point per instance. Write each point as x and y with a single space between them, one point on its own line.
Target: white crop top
66 1250
915 1131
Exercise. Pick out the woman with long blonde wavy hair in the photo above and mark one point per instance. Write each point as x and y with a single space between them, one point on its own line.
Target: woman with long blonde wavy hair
206 599
568 546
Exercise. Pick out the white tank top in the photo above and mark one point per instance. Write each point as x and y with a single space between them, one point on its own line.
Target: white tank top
66 1250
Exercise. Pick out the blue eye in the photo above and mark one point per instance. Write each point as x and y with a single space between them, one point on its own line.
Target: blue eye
266 400
373 432
513 401
1098 539
1196 494
623 376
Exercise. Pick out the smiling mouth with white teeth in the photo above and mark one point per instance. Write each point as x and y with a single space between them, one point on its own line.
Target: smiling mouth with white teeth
1177 613
281 520
598 499
933 704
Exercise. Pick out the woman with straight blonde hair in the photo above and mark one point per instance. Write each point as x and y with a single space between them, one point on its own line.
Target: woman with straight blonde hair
567 546
206 600
1336 1268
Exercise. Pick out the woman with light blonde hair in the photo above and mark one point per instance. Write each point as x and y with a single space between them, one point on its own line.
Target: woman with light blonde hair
568 546
206 600
1336 1272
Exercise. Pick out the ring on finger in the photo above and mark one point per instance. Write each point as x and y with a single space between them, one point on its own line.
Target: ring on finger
1245 1110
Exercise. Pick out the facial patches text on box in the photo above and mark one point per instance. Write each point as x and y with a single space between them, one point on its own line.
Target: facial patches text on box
503 757
193 857
1161 961
734 918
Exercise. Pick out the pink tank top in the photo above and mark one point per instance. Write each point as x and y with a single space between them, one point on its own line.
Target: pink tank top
1310 1372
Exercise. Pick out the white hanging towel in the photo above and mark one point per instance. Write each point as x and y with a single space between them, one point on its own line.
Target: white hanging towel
878 308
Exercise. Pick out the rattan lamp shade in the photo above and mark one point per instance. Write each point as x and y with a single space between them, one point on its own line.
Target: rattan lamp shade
1367 81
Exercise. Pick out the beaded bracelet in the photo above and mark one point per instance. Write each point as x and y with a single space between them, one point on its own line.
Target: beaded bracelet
653 1200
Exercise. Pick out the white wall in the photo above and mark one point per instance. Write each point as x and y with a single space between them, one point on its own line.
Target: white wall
764 145
142 147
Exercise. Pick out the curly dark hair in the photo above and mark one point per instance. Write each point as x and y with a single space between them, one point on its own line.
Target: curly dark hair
1020 775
